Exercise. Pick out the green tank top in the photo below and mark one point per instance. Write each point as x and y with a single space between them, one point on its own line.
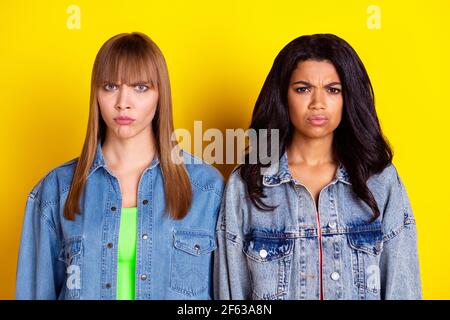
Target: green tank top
126 269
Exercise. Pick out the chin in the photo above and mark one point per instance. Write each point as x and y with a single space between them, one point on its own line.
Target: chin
125 135
317 134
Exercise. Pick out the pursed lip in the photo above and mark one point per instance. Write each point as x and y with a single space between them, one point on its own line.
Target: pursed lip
124 120
317 120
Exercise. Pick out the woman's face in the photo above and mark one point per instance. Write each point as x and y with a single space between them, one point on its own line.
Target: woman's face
127 109
315 99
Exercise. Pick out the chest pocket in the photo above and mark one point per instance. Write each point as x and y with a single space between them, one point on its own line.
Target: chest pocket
191 262
269 259
72 254
366 247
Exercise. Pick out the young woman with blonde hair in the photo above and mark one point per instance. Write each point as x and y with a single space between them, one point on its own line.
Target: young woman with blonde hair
134 216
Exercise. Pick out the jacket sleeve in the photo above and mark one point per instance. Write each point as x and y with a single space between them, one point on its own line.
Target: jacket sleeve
399 263
39 271
231 275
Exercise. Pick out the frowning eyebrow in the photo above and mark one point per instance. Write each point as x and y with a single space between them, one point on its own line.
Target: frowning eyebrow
308 84
138 83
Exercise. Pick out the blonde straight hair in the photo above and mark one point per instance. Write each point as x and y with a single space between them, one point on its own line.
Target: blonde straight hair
133 58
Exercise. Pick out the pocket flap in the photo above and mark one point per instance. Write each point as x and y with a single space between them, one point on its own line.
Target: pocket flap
72 248
370 242
194 242
264 249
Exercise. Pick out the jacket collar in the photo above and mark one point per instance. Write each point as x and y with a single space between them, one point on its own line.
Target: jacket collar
99 161
279 173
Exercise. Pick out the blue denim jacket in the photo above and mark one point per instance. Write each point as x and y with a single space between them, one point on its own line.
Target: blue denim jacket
276 255
62 259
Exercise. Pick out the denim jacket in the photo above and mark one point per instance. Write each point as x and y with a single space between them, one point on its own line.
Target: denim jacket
62 259
278 254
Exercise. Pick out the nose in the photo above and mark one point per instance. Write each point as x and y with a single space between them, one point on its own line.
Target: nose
123 98
318 100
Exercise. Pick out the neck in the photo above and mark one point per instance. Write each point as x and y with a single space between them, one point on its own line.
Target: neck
311 151
135 152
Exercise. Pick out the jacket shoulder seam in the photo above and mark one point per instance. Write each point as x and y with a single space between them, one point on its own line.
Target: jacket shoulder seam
396 231
207 187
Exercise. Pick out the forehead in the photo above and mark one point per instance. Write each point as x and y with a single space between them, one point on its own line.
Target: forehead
127 70
313 71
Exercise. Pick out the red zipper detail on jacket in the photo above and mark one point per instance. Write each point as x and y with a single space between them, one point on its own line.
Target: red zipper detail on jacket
319 229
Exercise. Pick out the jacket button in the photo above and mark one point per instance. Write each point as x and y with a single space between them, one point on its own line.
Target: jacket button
110 245
335 276
145 202
143 277
263 253
144 236
113 208
108 286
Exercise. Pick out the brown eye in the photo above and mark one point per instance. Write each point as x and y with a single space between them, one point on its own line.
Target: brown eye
302 89
334 90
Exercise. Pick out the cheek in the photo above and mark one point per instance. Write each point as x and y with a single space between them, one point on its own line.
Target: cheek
336 112
297 110
104 111
147 107
105 105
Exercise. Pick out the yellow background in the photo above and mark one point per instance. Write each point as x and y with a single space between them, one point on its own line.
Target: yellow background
219 53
